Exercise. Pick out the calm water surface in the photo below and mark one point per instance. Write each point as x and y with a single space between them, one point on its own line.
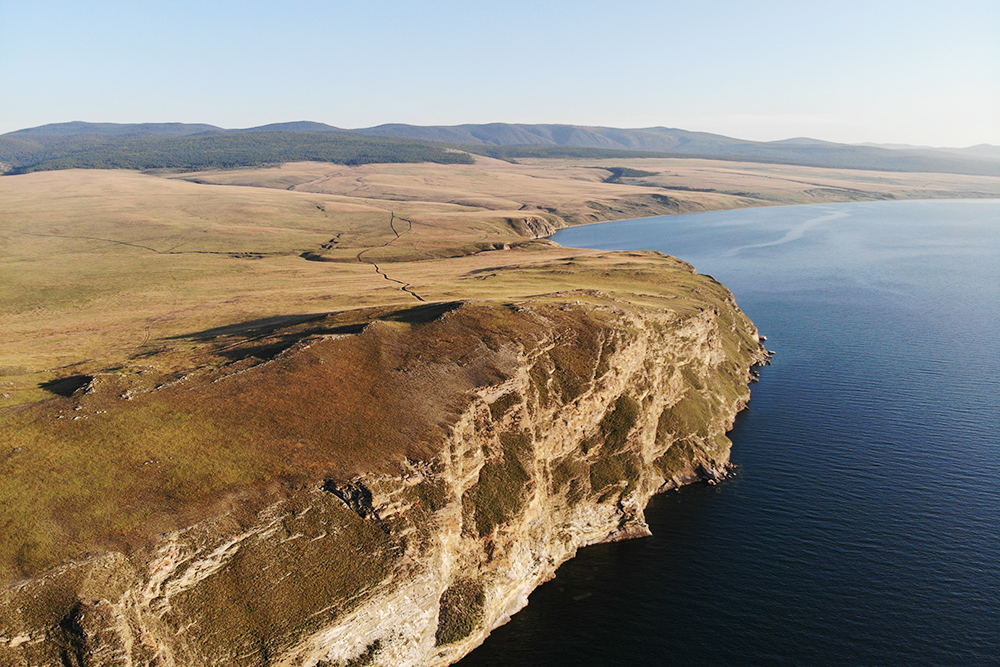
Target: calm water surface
863 527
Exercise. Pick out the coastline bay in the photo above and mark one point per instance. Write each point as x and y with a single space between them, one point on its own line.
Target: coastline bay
861 527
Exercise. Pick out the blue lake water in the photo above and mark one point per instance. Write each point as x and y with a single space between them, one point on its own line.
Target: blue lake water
863 527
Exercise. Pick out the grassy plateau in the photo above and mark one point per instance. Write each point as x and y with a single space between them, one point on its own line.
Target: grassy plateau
117 283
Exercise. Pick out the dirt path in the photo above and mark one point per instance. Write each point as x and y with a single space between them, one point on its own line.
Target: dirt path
392 225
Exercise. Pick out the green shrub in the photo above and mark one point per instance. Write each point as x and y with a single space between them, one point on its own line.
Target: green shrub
500 406
459 611
499 495
540 381
566 471
680 456
690 415
613 470
619 421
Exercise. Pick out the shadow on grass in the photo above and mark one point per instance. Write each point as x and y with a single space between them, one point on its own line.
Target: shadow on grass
273 341
67 386
422 314
262 352
252 328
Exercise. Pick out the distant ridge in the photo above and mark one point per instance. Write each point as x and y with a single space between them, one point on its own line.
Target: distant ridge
198 146
657 139
295 126
77 128
980 151
683 143
193 147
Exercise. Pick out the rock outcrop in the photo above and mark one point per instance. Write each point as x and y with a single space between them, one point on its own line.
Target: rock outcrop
568 413
536 226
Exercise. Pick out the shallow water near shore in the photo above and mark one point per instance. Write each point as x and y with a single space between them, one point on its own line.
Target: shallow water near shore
863 526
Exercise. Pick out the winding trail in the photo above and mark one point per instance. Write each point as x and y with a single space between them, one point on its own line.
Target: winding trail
397 234
403 286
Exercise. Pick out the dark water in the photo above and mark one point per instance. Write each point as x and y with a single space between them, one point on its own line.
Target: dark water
864 525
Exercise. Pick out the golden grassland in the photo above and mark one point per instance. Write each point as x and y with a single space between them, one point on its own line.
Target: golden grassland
576 189
154 442
98 266
177 281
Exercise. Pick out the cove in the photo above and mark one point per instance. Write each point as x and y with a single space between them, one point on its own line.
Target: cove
863 525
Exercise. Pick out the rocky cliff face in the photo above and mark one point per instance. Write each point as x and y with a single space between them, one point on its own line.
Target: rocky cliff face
536 226
574 410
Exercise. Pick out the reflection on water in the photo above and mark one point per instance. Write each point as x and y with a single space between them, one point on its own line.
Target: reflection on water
864 524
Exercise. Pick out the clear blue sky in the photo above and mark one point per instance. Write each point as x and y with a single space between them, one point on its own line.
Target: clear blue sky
920 72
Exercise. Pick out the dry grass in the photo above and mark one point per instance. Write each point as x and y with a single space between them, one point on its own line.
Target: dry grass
143 281
140 453
98 266
718 184
576 189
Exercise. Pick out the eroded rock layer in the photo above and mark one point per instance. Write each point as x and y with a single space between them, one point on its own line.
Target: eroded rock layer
509 435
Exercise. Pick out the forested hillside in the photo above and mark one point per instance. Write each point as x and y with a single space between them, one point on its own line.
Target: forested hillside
145 150
199 146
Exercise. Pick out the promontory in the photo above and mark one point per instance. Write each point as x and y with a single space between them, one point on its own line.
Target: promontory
317 414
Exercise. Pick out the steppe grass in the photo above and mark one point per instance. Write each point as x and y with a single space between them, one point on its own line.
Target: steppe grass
97 263
141 281
100 476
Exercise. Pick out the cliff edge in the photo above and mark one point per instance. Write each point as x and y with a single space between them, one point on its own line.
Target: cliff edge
431 470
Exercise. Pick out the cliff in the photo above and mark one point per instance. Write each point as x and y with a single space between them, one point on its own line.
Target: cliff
484 447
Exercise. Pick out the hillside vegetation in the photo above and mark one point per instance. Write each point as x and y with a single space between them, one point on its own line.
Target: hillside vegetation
106 264
509 141
199 146
211 151
123 292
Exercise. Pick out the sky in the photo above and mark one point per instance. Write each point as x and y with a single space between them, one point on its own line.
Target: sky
900 71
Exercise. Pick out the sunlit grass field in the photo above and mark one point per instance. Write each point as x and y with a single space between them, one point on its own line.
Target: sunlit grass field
114 284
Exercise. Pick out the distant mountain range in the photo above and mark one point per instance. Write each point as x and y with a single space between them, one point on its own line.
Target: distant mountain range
199 146
979 151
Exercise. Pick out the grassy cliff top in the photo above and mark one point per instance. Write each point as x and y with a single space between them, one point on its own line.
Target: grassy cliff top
99 266
261 407
133 304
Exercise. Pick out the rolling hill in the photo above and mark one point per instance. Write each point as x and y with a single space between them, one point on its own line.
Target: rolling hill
200 146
